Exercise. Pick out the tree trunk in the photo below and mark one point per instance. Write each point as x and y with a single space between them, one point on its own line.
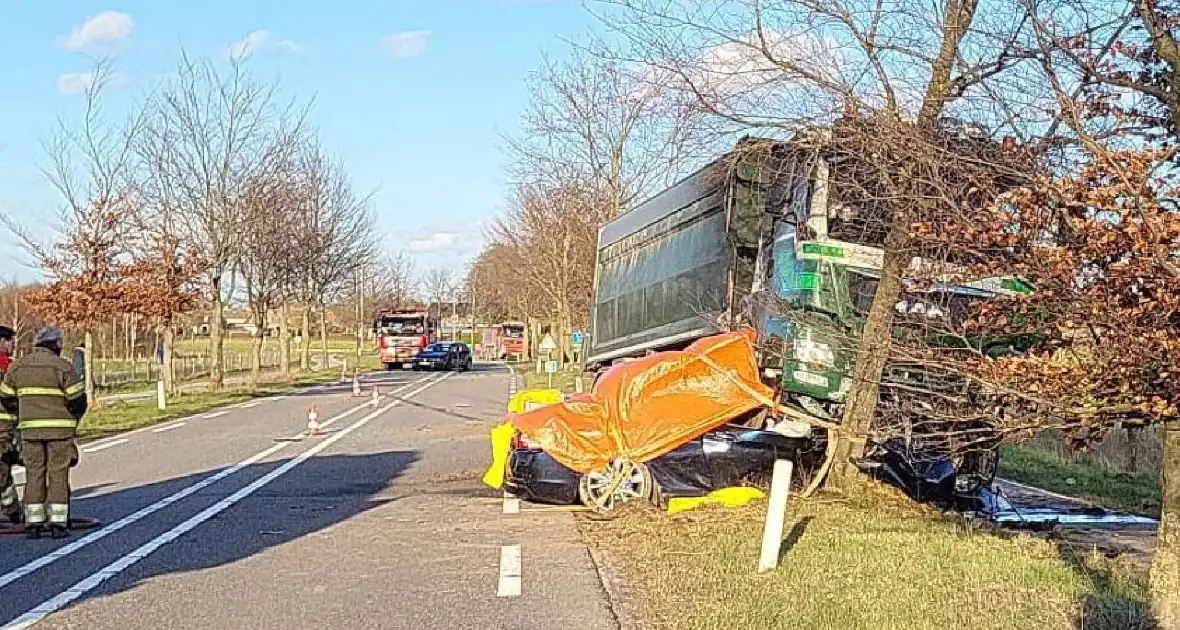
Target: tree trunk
871 358
216 340
324 336
88 367
256 358
169 366
132 336
305 348
284 343
1165 566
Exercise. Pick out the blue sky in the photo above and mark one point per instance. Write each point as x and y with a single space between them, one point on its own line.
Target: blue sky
411 94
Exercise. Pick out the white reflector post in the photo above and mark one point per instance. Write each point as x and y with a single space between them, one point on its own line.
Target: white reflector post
161 401
776 514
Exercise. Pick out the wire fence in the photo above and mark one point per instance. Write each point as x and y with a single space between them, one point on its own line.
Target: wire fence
123 373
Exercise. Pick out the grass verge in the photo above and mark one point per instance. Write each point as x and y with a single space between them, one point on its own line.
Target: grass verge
125 416
872 561
1139 493
564 380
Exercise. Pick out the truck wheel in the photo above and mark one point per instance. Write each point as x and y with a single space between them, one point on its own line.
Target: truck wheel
392 366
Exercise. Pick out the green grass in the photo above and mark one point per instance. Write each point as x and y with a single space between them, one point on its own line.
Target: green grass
564 380
244 344
1053 471
125 416
871 562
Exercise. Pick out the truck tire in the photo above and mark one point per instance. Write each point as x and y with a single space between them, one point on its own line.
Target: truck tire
393 366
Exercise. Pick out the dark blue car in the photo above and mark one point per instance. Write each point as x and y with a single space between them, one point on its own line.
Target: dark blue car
443 355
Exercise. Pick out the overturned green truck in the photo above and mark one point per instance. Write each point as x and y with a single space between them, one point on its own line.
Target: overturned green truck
760 237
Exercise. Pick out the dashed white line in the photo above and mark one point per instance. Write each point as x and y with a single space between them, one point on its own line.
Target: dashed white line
88 583
215 414
142 513
169 427
509 585
105 445
249 404
511 504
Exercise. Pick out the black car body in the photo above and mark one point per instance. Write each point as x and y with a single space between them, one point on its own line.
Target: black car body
727 456
443 355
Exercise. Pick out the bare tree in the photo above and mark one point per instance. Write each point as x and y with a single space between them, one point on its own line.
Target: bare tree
335 235
596 119
208 135
91 166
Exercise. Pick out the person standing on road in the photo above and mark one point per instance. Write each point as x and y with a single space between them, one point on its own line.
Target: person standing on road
49 399
9 456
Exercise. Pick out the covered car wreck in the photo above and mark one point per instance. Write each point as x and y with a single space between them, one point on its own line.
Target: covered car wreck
674 424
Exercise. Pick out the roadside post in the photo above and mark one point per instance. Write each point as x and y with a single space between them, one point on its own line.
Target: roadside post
577 339
547 346
776 514
551 369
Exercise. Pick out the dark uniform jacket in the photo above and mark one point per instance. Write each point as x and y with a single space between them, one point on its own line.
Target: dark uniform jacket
6 418
46 394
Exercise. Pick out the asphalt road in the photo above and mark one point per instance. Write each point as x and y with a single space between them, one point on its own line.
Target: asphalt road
216 521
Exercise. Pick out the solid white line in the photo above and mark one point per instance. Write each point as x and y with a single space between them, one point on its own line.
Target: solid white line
250 404
215 414
509 585
88 583
169 427
105 445
142 513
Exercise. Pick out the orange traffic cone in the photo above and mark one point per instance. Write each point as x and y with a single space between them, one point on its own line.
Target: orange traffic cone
313 422
376 396
356 387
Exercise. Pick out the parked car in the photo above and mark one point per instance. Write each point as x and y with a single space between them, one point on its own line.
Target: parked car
729 455
443 355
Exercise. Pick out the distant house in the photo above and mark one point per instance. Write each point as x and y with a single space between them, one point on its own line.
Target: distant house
238 323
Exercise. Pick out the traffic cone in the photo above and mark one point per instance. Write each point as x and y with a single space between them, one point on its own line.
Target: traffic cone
313 422
356 387
376 396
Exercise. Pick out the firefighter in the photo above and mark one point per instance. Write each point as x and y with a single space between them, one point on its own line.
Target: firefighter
49 399
9 456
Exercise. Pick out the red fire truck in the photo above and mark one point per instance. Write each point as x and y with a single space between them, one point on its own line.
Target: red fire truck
509 340
401 333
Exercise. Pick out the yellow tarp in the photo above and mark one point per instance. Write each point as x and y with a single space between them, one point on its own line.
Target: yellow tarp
729 497
645 408
501 446
530 399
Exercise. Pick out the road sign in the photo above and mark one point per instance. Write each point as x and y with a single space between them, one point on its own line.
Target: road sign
577 338
551 367
548 344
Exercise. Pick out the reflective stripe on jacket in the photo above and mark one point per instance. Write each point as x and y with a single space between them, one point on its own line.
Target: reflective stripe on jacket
45 393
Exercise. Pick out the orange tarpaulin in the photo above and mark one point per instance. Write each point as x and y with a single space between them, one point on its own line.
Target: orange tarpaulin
648 407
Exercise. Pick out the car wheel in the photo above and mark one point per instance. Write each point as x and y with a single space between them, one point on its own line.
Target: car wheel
467 366
621 482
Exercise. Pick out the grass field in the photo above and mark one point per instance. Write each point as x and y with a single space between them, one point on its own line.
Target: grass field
872 561
1080 477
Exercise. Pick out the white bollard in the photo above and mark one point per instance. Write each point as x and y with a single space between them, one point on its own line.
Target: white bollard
776 514
161 400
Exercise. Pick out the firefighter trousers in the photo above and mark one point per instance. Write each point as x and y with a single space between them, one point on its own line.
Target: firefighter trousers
47 480
7 485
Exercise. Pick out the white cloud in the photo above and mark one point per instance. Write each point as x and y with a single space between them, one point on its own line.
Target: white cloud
287 47
108 26
246 47
435 242
75 83
406 44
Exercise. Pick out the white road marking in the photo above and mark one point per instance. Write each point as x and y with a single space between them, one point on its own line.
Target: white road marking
88 583
142 513
509 585
105 445
169 427
215 414
249 404
511 504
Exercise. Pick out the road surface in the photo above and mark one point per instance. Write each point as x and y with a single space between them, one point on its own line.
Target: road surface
210 522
